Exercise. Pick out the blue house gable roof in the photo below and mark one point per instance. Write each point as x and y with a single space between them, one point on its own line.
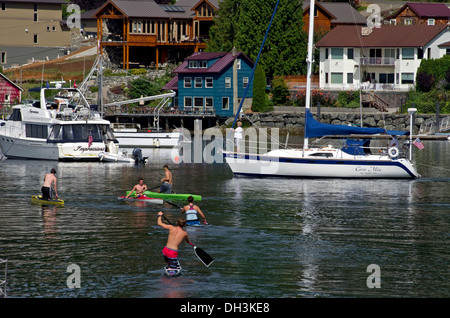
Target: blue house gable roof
205 82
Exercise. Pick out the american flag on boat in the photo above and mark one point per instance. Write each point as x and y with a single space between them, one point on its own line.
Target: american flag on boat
90 140
418 144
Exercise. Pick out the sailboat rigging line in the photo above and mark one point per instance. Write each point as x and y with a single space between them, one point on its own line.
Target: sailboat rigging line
254 66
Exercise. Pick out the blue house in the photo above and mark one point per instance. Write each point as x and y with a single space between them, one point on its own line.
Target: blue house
209 82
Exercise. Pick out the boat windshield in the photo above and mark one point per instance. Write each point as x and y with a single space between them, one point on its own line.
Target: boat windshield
80 133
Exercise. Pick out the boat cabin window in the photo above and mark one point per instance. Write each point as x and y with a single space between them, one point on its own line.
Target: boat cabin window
321 154
36 131
16 115
80 133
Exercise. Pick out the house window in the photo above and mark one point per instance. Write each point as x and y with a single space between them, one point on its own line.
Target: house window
3 61
337 78
408 53
198 102
350 54
203 64
187 102
407 78
3 6
387 78
337 53
35 39
227 82
187 82
393 22
349 78
419 53
35 13
326 78
238 64
430 21
209 102
245 82
198 82
193 64
447 51
209 82
326 54
407 22
389 56
429 53
225 103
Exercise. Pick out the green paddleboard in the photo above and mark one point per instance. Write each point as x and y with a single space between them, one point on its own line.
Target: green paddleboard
172 196
38 199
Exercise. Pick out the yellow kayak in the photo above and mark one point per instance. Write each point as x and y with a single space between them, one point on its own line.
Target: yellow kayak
38 199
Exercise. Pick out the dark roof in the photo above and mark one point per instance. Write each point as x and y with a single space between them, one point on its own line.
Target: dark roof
385 36
341 13
11 82
445 44
149 9
225 59
427 10
214 3
38 1
172 84
206 56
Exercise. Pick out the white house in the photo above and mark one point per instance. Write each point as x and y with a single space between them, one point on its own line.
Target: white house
383 58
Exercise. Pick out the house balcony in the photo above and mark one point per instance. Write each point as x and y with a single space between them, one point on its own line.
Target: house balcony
380 61
153 40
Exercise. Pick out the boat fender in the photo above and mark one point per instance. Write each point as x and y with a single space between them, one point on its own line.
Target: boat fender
393 152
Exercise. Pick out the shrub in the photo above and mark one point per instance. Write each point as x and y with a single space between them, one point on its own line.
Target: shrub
348 99
280 92
317 95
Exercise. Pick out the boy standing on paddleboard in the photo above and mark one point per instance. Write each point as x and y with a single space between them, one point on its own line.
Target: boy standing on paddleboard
167 181
176 235
49 179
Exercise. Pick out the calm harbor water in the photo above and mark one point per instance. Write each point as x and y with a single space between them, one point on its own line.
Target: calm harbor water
269 237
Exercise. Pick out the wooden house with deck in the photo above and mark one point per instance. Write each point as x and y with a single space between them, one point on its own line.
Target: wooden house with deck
147 33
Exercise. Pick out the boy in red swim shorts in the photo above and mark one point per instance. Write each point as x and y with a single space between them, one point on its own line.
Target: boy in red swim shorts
176 236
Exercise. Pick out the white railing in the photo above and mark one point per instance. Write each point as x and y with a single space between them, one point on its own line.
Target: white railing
377 61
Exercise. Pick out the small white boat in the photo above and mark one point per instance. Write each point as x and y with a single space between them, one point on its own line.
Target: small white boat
135 157
130 135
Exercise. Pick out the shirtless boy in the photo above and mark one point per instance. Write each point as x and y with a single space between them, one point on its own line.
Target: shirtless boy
176 235
167 181
49 179
139 188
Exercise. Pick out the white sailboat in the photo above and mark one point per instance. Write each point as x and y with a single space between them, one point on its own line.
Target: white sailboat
354 160
57 131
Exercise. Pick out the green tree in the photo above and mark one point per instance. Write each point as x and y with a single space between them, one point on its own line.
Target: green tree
260 99
242 24
223 32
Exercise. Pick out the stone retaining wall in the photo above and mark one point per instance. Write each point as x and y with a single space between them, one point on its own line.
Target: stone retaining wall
296 120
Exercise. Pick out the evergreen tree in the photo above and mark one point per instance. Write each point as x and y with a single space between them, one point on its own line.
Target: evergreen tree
223 32
260 100
285 49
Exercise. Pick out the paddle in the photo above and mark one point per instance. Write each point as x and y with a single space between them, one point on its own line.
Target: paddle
201 254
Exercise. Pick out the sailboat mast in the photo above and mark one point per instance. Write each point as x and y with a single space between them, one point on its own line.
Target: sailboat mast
309 62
